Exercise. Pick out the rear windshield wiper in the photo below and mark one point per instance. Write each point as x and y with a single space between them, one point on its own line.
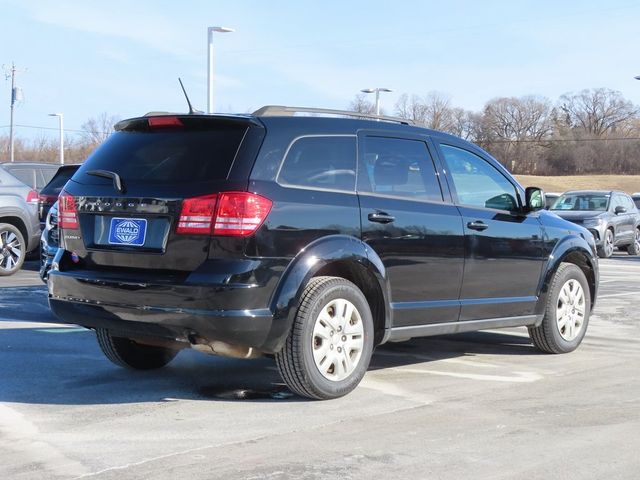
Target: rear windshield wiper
117 181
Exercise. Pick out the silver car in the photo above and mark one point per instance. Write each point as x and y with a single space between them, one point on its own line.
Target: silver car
19 225
612 218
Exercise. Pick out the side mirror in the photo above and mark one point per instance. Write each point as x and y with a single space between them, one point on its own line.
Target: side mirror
534 199
620 209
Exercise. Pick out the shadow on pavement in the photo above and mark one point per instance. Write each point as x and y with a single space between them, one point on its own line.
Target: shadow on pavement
64 366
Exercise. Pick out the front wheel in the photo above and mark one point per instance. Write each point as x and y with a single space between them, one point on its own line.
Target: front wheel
606 250
330 343
566 315
129 354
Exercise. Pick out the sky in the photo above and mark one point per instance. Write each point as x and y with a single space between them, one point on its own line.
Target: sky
83 58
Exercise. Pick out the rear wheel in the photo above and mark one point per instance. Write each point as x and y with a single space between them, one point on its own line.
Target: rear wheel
606 250
129 354
566 314
634 248
329 347
12 249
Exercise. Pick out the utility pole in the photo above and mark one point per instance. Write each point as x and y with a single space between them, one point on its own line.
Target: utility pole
11 72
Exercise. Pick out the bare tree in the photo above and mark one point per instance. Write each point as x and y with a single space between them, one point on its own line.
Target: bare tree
597 111
97 129
360 104
526 118
514 130
432 111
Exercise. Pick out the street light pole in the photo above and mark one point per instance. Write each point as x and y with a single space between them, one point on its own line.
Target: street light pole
210 32
377 91
61 124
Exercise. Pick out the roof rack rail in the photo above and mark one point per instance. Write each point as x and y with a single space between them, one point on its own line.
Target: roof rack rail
284 111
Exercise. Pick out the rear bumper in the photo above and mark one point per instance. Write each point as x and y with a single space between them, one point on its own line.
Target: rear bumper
171 311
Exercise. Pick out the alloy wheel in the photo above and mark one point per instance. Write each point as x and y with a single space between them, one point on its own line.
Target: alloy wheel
608 243
11 251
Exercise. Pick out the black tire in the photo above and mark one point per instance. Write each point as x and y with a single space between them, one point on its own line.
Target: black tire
12 249
129 354
548 336
608 242
634 248
296 360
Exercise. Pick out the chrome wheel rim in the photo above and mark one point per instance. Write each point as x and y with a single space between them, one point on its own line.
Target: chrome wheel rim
608 243
338 339
637 241
570 310
11 251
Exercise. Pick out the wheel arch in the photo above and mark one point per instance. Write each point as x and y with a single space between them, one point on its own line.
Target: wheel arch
339 256
572 249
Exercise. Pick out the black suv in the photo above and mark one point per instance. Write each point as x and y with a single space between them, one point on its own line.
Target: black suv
312 238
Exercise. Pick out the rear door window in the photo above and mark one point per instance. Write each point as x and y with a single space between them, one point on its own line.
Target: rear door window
166 157
398 167
321 162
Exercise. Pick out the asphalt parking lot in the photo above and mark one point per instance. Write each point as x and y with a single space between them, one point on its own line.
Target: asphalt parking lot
484 405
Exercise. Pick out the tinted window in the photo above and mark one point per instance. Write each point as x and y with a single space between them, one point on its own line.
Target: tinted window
321 162
166 157
476 182
398 167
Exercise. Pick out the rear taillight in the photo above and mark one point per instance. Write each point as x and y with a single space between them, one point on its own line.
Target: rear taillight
197 214
67 211
240 213
32 197
228 213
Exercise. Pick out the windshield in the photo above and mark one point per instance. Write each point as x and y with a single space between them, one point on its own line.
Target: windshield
582 201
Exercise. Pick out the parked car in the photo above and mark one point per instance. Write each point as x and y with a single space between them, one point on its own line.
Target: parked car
266 234
636 199
550 198
612 217
49 241
35 175
19 227
49 193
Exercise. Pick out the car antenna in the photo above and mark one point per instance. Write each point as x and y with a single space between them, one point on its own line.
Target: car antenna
191 110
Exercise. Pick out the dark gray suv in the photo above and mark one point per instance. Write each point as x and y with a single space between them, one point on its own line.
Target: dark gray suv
611 217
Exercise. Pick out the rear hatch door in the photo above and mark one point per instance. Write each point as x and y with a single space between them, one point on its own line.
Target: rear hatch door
128 196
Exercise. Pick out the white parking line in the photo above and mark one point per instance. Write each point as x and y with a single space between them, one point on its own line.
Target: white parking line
517 377
623 294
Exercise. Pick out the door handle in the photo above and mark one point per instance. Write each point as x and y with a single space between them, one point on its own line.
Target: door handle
477 225
381 217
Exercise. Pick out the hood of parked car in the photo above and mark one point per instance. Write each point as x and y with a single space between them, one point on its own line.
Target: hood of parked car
579 215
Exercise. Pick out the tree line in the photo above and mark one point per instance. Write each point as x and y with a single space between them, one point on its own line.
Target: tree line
594 131
45 148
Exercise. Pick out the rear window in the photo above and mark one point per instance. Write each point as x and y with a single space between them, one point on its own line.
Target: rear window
25 175
166 156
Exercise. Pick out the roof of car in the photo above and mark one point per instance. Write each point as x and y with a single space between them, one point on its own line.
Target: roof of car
29 164
592 192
